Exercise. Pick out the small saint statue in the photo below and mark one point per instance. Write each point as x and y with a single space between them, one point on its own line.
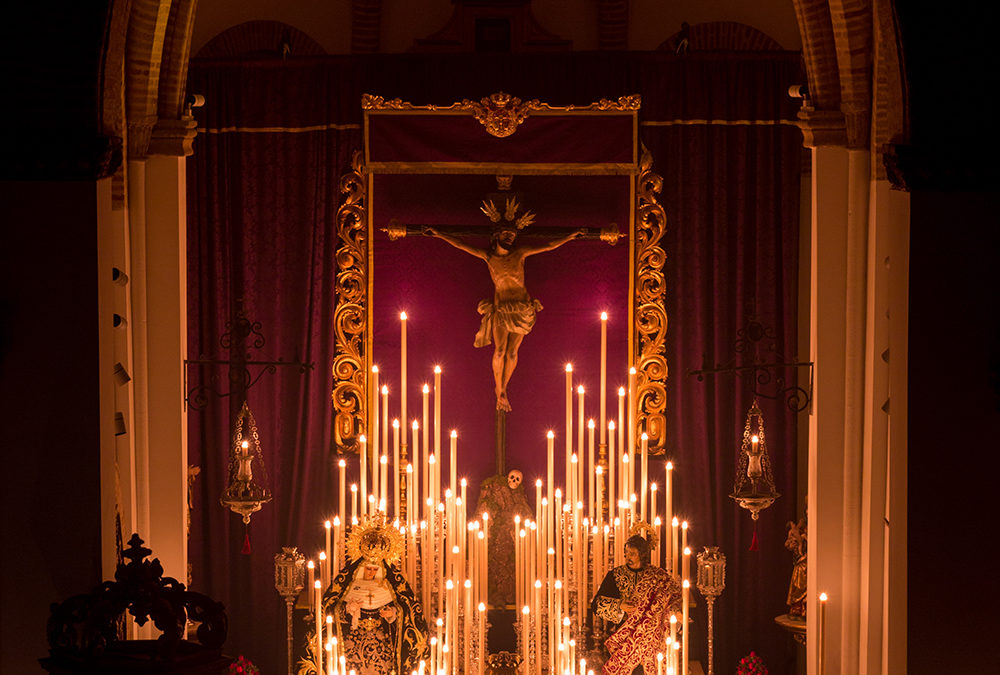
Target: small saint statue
796 543
511 314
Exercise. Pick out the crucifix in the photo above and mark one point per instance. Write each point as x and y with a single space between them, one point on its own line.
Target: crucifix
511 313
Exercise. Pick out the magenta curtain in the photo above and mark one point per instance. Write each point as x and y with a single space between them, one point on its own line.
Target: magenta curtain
262 224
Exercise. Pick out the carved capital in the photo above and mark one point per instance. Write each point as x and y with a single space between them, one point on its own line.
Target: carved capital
140 130
173 137
822 127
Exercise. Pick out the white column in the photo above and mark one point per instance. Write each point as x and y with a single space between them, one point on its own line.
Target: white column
159 297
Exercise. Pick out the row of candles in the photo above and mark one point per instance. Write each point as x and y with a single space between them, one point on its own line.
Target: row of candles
446 554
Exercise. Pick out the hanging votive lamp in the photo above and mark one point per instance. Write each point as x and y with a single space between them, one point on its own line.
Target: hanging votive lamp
754 488
245 495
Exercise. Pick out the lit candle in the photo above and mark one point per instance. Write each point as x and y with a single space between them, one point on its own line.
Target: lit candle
668 509
343 487
590 469
821 634
373 428
337 534
482 637
611 470
318 593
363 459
402 369
383 489
684 542
327 526
674 527
687 563
578 484
311 568
644 473
385 444
600 498
604 373
538 627
524 631
550 459
569 426
685 606
415 435
329 645
354 502
653 520
631 425
437 410
453 468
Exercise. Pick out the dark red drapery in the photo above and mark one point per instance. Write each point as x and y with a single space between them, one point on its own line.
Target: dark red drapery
263 192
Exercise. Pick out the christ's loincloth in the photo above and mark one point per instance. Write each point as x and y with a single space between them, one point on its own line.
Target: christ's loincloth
515 317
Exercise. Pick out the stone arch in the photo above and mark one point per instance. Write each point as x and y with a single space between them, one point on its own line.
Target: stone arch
260 39
852 31
143 57
819 53
729 36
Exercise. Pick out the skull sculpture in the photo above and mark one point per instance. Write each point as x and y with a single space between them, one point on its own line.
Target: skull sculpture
514 479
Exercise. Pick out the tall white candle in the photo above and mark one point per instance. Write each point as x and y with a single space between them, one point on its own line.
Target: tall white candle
343 488
644 473
374 428
437 410
338 534
385 445
578 484
354 503
318 594
363 461
668 510
611 470
592 475
453 457
402 368
674 551
395 467
328 527
569 426
410 475
685 605
631 424
604 374
550 467
821 634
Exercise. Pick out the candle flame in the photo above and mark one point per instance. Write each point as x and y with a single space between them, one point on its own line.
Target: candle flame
354 487
823 597
482 607
644 436
551 434
402 316
538 483
579 389
311 565
687 550
684 525
437 369
670 466
611 425
621 391
525 610
395 424
590 423
317 584
415 425
336 521
426 389
385 390
454 433
342 463
686 584
375 369
569 367
327 524
675 522
604 316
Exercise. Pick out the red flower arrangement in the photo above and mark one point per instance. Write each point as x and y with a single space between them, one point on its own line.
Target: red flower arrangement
751 665
243 666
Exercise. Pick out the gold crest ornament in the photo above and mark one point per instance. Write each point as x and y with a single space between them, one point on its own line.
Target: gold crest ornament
375 540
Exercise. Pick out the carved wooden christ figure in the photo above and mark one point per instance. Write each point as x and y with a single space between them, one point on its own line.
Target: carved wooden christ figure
511 314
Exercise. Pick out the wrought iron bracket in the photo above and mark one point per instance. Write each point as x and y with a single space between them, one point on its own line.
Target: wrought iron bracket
244 372
767 376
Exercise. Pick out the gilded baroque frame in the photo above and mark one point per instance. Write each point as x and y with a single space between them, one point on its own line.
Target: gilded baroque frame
500 115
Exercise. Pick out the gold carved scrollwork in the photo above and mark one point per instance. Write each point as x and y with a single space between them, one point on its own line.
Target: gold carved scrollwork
501 113
650 311
350 316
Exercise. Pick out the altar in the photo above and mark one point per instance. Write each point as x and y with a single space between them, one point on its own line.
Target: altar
425 440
